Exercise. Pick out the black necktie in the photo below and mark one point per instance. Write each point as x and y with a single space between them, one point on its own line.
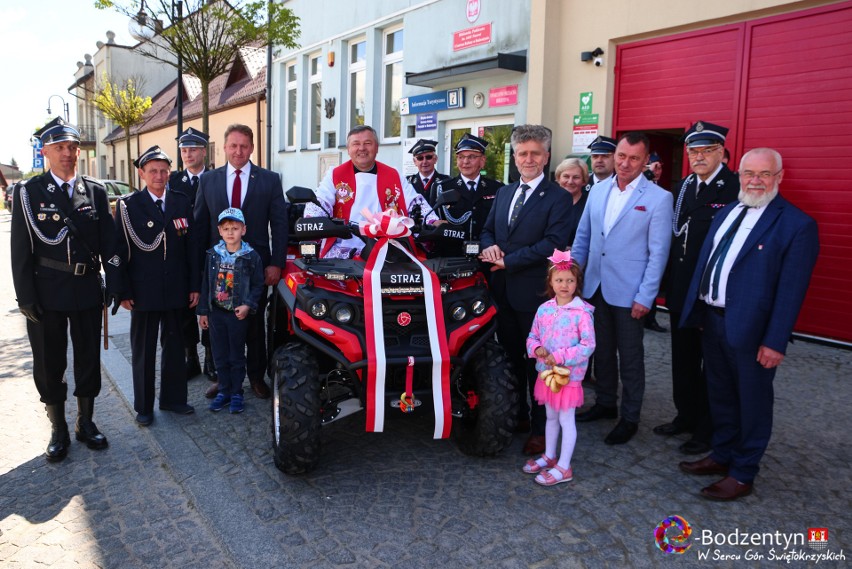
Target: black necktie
717 259
701 187
472 185
65 188
194 183
518 205
159 205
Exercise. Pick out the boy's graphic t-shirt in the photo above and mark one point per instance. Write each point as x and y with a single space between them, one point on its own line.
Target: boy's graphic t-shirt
223 295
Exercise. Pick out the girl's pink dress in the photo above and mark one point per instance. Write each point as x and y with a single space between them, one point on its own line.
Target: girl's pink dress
567 332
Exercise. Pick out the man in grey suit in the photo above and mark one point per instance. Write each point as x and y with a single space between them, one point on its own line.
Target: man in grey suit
258 193
623 243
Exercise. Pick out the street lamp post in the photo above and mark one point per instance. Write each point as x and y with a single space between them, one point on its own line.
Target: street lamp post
177 16
64 106
143 30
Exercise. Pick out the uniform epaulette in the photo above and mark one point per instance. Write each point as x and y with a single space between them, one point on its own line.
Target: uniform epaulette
93 180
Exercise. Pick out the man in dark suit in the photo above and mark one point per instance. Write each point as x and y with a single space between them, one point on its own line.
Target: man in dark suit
153 243
62 232
476 192
425 155
703 193
623 243
258 193
749 284
529 219
192 145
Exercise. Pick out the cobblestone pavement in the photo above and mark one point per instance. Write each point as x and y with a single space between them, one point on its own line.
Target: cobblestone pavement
202 490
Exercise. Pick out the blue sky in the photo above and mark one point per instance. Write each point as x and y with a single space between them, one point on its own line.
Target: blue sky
42 41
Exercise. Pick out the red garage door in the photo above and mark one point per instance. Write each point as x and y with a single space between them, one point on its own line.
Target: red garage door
784 82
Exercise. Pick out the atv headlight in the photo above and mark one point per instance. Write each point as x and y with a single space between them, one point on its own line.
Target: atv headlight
458 313
319 309
478 307
308 249
343 313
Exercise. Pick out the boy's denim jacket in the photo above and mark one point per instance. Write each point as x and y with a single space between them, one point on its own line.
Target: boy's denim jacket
248 277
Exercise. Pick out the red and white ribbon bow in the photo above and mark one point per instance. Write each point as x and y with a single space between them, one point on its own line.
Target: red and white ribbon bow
387 226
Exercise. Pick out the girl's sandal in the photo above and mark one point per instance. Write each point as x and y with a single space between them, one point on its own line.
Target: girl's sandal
533 467
546 478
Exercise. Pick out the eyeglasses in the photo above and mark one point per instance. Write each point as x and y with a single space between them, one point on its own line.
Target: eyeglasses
468 157
766 175
703 151
422 157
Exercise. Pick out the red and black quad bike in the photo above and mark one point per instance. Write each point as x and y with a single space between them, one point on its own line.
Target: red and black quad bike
386 331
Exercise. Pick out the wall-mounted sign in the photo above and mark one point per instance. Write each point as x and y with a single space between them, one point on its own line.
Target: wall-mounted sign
472 37
472 10
586 103
427 121
584 132
503 96
429 102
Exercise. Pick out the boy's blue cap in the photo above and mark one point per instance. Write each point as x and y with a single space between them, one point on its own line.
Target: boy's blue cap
233 214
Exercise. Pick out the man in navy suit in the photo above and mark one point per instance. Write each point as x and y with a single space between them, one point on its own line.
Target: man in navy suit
749 284
258 193
623 242
517 239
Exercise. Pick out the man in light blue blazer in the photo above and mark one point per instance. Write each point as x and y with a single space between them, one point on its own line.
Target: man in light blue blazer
623 244
749 284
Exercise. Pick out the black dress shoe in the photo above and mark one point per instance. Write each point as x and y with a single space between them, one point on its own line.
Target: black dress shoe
597 412
669 429
87 432
622 433
144 419
57 448
179 408
653 325
693 446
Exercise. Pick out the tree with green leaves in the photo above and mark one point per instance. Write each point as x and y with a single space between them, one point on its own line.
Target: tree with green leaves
124 107
207 35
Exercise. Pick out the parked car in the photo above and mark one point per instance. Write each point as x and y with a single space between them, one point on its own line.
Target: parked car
7 197
115 190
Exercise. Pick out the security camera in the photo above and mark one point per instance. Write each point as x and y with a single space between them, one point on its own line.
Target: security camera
598 61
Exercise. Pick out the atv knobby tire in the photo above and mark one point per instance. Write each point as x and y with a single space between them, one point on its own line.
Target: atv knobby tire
295 409
488 428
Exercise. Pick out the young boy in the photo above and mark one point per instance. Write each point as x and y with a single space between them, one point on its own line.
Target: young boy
230 288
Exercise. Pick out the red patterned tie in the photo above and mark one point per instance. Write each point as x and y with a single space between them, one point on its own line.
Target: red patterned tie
236 194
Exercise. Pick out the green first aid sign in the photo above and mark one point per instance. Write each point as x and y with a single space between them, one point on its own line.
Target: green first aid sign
586 103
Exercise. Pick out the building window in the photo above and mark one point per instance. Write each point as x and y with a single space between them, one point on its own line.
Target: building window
357 83
315 89
290 131
392 82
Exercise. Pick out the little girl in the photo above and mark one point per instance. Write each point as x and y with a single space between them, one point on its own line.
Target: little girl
562 338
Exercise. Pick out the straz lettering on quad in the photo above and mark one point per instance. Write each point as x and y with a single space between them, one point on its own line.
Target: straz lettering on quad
406 278
302 227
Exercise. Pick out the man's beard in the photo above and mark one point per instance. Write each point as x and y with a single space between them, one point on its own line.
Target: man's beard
758 201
